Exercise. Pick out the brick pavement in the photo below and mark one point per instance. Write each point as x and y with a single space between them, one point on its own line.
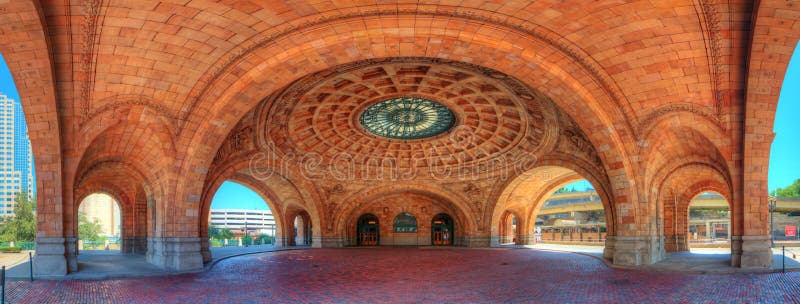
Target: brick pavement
411 275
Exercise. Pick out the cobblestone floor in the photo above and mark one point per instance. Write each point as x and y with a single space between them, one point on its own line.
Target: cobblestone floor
425 275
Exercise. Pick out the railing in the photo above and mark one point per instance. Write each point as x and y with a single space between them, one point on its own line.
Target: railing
215 243
21 245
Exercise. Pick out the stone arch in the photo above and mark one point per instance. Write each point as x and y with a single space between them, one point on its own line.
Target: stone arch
674 195
356 199
245 76
302 227
771 45
699 190
267 195
122 202
548 175
141 147
431 197
26 49
509 233
132 188
284 190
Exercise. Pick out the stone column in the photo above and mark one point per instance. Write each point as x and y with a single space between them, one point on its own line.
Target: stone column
478 241
638 250
50 259
527 239
281 241
205 249
608 251
495 240
175 253
751 251
329 241
71 246
676 243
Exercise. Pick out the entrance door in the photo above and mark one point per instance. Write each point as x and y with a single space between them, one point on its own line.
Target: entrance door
368 230
442 230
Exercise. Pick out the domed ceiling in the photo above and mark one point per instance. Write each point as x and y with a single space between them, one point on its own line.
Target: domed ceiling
411 113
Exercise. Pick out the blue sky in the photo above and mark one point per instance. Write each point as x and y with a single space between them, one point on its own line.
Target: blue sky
235 196
784 164
7 86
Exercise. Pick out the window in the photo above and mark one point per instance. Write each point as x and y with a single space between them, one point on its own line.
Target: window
405 223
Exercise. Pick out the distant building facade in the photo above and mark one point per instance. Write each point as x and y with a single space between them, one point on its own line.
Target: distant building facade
258 221
105 210
16 160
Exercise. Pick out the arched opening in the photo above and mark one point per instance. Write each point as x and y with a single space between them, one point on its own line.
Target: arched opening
508 228
405 228
302 230
99 224
17 197
709 222
442 230
556 207
368 230
240 217
574 214
783 178
413 217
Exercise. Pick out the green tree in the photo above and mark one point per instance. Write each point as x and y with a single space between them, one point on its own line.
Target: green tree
88 230
225 233
22 226
792 190
213 232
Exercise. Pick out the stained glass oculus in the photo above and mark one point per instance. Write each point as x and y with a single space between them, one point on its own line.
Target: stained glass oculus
407 118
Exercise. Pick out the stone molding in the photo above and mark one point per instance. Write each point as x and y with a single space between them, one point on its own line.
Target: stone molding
175 253
50 260
637 250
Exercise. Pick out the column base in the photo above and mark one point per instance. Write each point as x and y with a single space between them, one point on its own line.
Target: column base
205 249
676 243
638 250
134 245
329 242
281 242
71 246
751 251
526 239
474 241
608 250
175 253
50 259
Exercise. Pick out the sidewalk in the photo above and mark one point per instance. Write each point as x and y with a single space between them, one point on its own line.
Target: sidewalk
698 260
12 259
109 264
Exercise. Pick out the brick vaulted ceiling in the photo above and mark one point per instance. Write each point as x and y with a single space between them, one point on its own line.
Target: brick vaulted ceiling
159 86
165 53
495 114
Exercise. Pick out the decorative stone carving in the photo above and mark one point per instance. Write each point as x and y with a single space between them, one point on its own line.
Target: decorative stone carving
710 21
318 115
91 12
240 139
653 116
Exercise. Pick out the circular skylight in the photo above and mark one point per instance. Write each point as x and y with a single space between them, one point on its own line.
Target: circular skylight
407 118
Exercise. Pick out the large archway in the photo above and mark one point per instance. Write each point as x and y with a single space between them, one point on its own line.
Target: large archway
100 223
239 216
642 102
551 217
709 222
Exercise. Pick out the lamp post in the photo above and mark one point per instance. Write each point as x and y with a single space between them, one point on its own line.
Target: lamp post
773 202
